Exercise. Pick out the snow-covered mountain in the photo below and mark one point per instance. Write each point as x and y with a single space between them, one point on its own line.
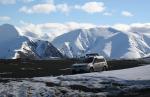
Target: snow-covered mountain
106 41
12 45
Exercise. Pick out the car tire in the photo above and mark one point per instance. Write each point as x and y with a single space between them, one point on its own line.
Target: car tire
74 72
91 69
105 68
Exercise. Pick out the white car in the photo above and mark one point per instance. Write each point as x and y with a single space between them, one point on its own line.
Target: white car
90 64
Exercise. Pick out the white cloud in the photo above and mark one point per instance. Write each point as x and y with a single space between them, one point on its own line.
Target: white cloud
127 14
92 7
134 27
122 27
76 25
7 2
55 29
4 18
140 27
51 29
47 8
63 8
27 1
107 14
39 8
24 9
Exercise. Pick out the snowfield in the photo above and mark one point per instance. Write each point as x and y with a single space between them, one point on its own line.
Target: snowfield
132 82
105 41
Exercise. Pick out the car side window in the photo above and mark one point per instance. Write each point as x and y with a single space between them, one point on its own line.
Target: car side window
99 60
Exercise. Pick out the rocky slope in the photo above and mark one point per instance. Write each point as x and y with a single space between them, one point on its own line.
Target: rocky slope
12 45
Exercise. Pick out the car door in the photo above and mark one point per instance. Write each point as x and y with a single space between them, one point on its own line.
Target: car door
101 64
96 64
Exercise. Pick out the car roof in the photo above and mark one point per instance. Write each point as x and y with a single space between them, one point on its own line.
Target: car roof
99 57
92 54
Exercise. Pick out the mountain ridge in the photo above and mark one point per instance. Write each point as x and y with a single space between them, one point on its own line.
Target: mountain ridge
13 45
106 41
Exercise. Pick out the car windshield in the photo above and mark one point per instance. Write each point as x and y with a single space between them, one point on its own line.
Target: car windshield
86 60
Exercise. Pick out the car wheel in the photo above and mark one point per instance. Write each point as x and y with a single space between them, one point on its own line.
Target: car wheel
91 69
74 72
105 68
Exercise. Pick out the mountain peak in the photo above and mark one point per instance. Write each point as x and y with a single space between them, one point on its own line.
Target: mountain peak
14 46
106 41
8 32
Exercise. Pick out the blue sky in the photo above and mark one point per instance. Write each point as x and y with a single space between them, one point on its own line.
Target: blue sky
99 12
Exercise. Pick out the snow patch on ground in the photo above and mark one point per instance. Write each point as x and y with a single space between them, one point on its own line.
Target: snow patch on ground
113 83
